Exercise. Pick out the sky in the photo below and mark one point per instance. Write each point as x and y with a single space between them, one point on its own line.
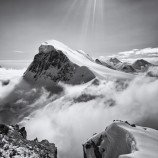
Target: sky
98 27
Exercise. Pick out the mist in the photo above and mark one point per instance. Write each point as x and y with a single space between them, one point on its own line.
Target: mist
68 118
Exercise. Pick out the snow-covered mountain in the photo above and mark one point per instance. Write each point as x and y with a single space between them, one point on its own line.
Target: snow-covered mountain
139 65
57 62
116 64
109 61
123 140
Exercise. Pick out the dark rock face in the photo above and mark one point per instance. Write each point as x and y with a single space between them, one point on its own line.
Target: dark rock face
127 68
105 64
23 132
138 66
114 61
84 98
3 129
98 61
13 143
54 59
141 64
51 66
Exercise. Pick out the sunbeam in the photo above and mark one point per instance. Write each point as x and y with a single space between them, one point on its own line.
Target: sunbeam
71 10
88 17
94 10
93 20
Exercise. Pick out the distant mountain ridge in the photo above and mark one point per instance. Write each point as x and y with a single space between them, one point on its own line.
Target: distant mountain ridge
139 65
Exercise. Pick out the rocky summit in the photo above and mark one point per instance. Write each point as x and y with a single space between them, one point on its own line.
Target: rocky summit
51 65
13 144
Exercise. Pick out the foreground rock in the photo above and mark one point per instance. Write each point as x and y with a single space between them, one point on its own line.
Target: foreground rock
13 143
122 140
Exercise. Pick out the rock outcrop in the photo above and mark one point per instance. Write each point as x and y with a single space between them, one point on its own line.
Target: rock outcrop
13 144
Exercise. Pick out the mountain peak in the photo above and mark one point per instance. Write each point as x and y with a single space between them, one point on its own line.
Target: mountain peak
56 44
141 64
114 60
56 62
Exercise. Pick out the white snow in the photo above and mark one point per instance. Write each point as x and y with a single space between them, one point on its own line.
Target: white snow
82 59
121 138
146 142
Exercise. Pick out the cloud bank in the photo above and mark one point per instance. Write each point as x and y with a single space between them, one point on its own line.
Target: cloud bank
70 117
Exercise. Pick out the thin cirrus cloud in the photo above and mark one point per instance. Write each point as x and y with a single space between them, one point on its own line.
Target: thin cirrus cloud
138 53
18 51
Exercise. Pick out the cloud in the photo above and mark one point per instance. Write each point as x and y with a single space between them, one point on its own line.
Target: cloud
148 53
11 75
69 124
18 51
139 53
69 118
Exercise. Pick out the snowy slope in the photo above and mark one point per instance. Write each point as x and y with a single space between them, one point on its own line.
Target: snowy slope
82 59
124 141
56 62
146 142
